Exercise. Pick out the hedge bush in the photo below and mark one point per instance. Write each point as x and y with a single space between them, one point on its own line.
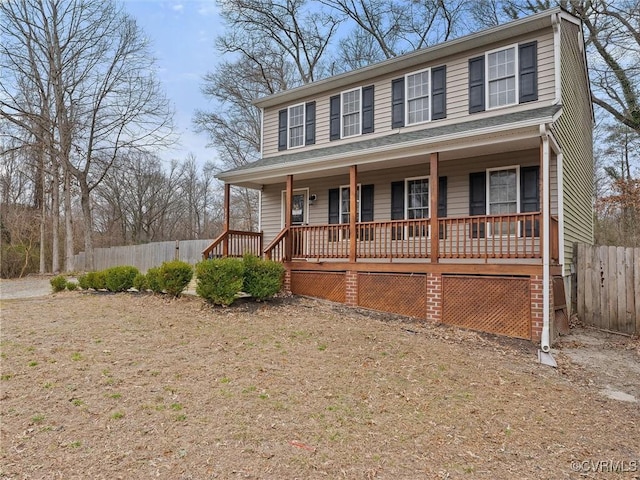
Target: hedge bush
219 279
154 280
120 279
95 280
262 278
140 282
58 283
175 276
71 286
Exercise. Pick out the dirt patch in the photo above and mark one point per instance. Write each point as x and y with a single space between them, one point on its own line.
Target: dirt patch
27 287
136 386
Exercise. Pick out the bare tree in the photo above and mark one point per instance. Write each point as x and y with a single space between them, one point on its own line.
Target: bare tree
96 73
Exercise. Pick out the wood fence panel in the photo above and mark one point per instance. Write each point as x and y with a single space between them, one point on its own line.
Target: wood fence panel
144 256
608 287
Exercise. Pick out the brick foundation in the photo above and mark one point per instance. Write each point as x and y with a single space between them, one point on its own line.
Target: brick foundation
351 288
434 297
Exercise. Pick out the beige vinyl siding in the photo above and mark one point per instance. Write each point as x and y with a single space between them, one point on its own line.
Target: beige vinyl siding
457 96
574 130
456 171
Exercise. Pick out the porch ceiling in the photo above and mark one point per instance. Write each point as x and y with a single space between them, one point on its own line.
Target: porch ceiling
511 132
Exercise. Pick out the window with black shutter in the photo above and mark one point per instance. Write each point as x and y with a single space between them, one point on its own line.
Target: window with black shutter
334 118
367 110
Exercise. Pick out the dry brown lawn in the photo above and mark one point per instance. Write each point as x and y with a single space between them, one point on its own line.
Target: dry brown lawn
102 386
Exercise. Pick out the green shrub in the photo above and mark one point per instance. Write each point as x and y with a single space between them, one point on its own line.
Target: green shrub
120 279
219 279
154 280
262 278
71 286
175 276
95 280
140 282
58 283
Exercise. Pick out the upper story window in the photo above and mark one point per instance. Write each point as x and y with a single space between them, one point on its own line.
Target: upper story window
418 94
419 97
351 113
297 126
501 69
502 77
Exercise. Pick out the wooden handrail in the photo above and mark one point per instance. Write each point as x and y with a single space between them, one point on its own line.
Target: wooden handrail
235 243
275 245
214 244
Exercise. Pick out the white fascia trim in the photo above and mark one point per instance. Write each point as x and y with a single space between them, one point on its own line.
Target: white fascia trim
340 159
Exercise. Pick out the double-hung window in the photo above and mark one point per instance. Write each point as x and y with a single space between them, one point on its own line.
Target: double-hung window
418 97
502 66
350 118
417 191
296 126
345 204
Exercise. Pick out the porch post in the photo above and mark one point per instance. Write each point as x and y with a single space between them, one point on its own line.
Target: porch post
288 239
225 224
433 206
353 211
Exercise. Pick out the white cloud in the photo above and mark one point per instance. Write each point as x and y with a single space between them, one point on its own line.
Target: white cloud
179 7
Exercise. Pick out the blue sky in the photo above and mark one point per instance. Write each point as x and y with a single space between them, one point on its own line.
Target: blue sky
182 35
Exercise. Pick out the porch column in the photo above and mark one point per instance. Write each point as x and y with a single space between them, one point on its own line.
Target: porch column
225 224
288 239
545 238
433 206
353 212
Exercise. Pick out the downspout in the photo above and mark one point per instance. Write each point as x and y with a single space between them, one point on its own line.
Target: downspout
555 21
546 250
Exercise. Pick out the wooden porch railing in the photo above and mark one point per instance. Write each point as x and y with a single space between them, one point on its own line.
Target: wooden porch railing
234 243
508 236
515 235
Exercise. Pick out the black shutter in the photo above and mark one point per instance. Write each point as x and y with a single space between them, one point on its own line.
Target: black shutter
334 212
334 118
439 93
528 61
367 109
282 129
442 204
397 208
366 203
310 123
530 196
397 103
477 201
476 84
366 212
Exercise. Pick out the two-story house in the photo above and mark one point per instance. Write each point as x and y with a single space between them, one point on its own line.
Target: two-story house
448 184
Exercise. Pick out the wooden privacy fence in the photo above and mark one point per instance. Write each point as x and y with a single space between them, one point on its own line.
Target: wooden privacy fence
608 287
144 256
